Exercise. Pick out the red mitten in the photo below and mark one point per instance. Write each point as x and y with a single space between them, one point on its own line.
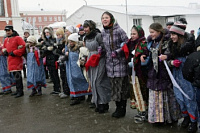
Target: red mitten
177 63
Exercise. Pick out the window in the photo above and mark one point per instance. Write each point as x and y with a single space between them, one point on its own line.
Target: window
55 18
45 18
1 8
39 19
50 18
59 18
137 22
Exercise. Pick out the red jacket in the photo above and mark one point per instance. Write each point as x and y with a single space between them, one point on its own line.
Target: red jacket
16 45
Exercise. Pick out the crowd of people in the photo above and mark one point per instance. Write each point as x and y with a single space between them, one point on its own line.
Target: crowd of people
159 73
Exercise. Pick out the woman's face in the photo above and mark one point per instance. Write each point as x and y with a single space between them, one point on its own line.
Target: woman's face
174 37
72 43
105 19
67 33
59 36
154 34
134 35
87 30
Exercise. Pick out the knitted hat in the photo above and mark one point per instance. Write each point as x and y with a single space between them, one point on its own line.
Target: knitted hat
26 31
31 39
71 29
73 37
60 31
178 28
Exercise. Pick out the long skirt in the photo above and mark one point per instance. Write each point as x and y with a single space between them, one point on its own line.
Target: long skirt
75 78
188 106
120 88
35 73
6 78
163 106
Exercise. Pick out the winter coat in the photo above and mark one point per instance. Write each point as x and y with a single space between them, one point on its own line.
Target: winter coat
191 69
116 67
159 80
16 45
197 42
51 58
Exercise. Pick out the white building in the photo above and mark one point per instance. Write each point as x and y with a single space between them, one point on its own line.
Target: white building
138 15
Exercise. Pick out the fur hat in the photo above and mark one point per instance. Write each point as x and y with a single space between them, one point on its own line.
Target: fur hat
31 39
178 28
60 31
73 37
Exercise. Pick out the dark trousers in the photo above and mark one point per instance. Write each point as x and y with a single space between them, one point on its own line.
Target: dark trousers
64 79
46 72
198 102
55 78
18 79
24 70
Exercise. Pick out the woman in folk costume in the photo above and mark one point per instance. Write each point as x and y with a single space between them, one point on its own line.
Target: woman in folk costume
98 79
138 46
60 44
116 64
35 68
75 78
178 50
162 103
6 79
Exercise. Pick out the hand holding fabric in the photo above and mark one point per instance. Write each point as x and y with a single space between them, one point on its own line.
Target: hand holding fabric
176 63
99 50
114 54
50 48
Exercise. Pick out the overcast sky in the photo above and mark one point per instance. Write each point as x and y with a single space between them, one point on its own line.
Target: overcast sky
72 5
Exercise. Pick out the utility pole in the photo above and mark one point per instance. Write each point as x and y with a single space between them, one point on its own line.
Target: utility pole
85 2
126 17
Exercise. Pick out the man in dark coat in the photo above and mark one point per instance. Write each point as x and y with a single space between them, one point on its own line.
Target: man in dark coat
191 72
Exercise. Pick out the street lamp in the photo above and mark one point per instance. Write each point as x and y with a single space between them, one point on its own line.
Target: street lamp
126 17
85 2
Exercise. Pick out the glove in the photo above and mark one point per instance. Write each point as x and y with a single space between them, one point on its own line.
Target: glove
50 48
99 50
114 54
130 64
12 54
176 63
122 44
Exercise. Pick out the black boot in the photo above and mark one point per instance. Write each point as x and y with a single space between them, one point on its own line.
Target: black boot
117 109
33 92
39 92
89 98
186 122
19 94
75 101
121 109
106 107
101 108
192 127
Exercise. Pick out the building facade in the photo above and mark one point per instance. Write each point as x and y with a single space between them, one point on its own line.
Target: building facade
9 15
40 19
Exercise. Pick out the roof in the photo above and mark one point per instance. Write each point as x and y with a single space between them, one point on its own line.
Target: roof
149 10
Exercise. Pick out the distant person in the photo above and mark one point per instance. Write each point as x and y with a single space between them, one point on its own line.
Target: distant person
192 33
26 35
169 24
48 42
198 32
6 80
35 69
14 48
77 82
